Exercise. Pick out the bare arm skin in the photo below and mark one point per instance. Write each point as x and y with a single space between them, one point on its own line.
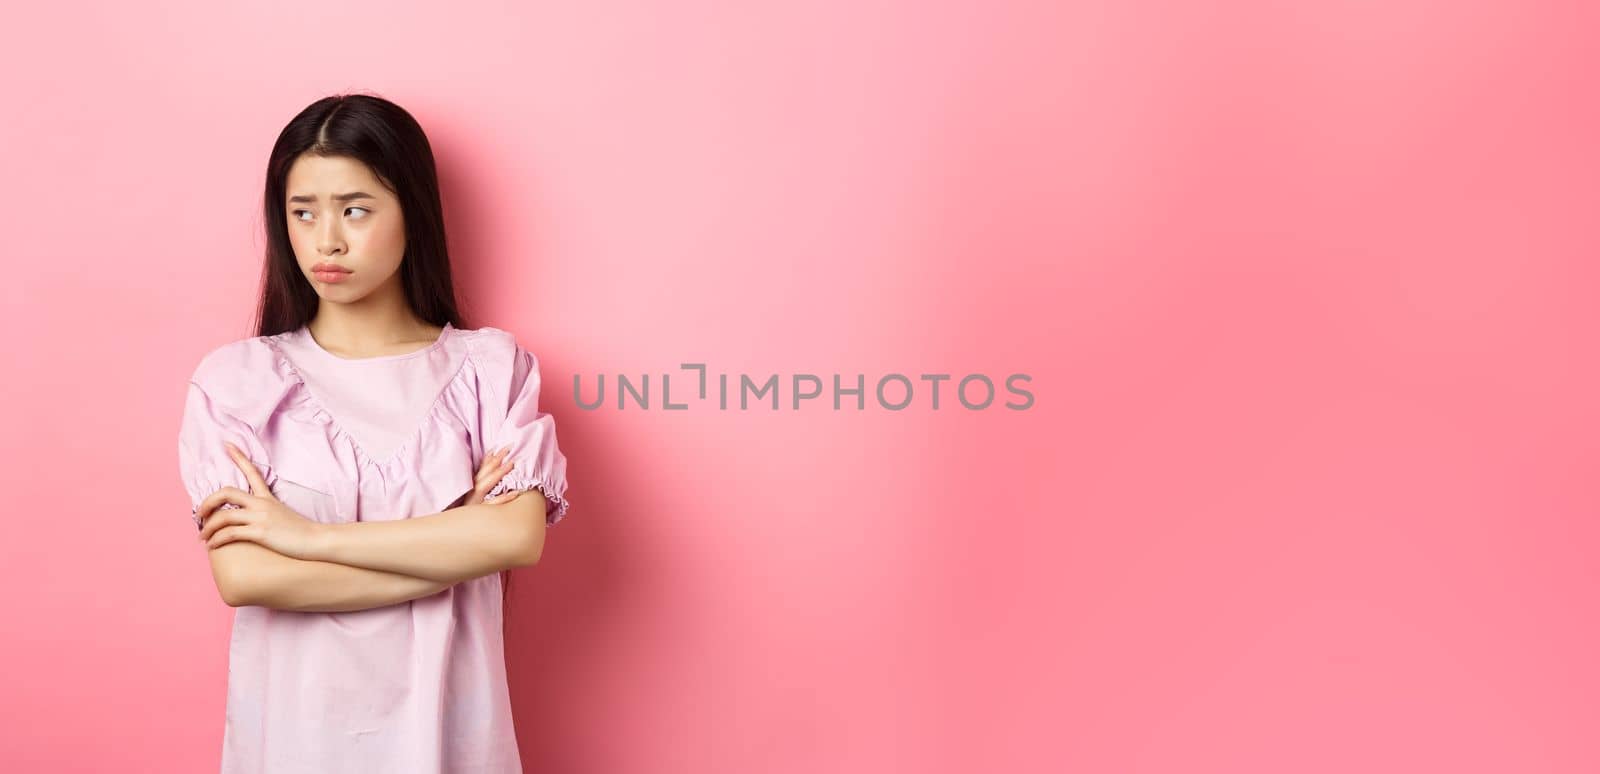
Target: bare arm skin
251 574
248 573
451 546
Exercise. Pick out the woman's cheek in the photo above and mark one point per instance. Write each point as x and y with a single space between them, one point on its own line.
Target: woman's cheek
392 239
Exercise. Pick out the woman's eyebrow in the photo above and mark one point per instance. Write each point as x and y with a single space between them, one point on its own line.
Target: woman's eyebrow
345 197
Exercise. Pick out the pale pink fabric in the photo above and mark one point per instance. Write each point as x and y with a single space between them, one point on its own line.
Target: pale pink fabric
418 686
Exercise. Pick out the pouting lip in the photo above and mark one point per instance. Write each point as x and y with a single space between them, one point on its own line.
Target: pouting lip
330 267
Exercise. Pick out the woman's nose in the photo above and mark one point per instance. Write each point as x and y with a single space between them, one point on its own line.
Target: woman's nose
330 240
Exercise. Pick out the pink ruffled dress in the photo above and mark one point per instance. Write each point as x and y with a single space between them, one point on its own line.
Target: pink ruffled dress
417 687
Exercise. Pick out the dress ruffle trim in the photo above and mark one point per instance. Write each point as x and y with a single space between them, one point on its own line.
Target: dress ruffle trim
519 479
235 478
455 389
459 395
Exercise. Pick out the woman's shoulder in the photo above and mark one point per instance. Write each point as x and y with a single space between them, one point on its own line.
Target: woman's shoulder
490 344
240 373
500 360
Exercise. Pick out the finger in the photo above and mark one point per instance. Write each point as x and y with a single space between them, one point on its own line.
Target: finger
481 491
504 497
220 520
220 499
226 536
497 474
491 459
483 470
491 463
223 518
258 485
227 494
493 478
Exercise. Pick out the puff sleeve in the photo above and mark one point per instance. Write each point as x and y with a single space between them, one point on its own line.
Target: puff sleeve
203 461
537 461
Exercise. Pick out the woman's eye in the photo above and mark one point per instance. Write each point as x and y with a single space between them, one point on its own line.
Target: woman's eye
297 213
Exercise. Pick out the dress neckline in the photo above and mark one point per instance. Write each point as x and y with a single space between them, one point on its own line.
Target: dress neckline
311 341
320 408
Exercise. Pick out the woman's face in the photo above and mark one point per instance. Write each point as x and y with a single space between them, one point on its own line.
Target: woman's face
340 215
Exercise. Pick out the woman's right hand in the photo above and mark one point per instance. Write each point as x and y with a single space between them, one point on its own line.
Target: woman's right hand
495 466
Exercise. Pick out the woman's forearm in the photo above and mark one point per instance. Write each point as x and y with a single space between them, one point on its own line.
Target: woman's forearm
266 578
454 545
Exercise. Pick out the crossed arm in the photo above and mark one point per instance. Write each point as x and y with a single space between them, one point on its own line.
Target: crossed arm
375 563
361 565
250 574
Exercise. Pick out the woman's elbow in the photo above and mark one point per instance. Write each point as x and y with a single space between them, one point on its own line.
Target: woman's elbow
232 577
529 509
232 592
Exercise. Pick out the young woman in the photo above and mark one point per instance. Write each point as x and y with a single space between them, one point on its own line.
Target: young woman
355 469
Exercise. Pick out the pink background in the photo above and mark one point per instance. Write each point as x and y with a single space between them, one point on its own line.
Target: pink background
1306 292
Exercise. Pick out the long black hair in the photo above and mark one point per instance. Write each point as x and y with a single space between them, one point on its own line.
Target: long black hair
383 136
386 138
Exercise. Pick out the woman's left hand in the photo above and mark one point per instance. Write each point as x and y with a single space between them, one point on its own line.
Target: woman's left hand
260 518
